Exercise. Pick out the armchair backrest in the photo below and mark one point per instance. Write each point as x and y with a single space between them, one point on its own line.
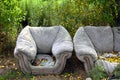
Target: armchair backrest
101 38
116 33
44 37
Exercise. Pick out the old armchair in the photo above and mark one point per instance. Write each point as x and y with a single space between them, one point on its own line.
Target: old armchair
53 44
90 42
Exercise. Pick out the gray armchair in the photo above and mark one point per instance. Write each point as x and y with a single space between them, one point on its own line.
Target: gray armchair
90 42
42 41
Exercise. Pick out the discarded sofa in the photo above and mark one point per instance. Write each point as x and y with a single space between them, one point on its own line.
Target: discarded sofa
90 42
43 50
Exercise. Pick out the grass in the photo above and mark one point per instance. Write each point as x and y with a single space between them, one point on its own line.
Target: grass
14 74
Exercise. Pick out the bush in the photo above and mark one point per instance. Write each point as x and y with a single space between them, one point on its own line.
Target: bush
117 71
98 73
10 13
69 13
10 16
16 75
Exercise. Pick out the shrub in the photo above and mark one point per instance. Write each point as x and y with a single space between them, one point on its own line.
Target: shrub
98 73
10 16
69 13
117 71
10 13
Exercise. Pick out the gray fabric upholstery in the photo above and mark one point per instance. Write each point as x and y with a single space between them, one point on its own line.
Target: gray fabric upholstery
89 41
26 44
83 44
101 37
116 33
36 40
44 38
62 42
84 47
82 38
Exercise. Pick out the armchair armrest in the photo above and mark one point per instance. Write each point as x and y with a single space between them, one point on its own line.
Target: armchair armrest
83 45
61 47
25 44
85 50
63 43
87 55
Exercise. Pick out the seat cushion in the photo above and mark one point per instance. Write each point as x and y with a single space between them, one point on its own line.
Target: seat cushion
43 60
101 37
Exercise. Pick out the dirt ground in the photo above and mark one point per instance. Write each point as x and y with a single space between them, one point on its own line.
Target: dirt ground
74 70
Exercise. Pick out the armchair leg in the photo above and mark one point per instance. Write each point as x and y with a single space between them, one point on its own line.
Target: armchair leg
23 64
61 64
88 65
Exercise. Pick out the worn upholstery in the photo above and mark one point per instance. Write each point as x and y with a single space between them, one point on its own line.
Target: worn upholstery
116 32
91 41
33 41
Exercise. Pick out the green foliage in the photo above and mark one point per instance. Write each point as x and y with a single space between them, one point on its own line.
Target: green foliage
10 17
10 13
69 13
117 71
16 74
98 73
7 40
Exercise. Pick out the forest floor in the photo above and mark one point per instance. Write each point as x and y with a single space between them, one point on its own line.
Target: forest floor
9 70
